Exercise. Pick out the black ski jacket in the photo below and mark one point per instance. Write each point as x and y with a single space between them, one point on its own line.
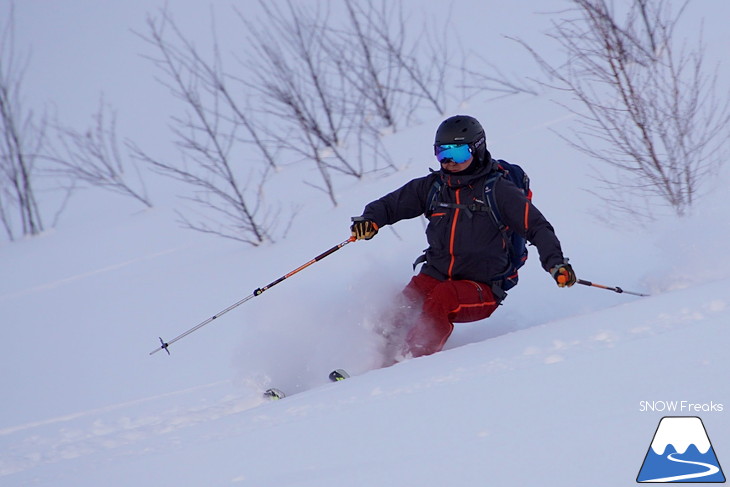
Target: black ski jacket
464 245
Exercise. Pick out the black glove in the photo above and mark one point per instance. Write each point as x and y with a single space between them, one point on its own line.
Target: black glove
563 274
363 229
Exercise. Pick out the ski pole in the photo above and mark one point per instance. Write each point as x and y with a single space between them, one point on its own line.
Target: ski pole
165 345
614 289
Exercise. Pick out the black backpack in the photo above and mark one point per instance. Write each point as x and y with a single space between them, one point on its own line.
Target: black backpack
515 244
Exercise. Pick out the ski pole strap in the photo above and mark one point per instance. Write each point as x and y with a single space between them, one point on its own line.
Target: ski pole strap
609 288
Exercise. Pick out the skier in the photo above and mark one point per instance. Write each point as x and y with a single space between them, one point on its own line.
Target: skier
466 249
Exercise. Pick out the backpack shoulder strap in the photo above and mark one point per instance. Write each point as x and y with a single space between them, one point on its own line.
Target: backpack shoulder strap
512 173
491 200
431 205
432 197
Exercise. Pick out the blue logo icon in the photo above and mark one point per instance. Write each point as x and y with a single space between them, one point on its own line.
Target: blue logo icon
681 452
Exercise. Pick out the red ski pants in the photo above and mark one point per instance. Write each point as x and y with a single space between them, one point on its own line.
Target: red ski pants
444 303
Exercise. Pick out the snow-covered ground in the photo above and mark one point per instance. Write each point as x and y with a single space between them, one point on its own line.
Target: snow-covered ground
555 403
554 389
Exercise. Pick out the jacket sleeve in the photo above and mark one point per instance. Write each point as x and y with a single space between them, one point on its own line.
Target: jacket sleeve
523 217
408 201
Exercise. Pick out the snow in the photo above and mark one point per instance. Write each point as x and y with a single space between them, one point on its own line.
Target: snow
690 430
548 391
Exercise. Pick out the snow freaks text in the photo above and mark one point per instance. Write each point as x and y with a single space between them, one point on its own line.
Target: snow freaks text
682 407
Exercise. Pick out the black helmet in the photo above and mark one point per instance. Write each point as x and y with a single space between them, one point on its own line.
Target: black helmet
462 129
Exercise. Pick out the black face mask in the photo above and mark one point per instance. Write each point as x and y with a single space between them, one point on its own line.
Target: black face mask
473 167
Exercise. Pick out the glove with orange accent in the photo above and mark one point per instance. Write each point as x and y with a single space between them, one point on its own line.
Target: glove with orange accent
363 229
563 274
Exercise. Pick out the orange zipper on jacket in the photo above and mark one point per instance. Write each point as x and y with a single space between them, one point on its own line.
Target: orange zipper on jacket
452 237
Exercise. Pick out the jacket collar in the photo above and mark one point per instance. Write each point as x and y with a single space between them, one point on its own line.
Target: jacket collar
458 180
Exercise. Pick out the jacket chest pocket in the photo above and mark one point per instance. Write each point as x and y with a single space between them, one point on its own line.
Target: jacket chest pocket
437 230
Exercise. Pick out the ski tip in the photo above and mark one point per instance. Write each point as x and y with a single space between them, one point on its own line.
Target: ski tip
274 394
338 375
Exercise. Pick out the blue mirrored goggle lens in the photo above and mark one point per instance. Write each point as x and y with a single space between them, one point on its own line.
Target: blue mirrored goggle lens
459 153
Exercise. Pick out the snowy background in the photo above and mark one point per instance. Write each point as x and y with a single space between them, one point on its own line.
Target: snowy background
546 392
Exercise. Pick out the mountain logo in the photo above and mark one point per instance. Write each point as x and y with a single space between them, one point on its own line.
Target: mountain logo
681 452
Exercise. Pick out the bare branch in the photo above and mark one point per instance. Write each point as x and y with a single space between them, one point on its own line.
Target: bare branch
93 157
21 140
647 107
208 136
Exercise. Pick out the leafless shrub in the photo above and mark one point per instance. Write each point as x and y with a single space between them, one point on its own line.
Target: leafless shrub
22 140
299 93
335 88
491 79
649 110
322 89
94 157
417 67
209 138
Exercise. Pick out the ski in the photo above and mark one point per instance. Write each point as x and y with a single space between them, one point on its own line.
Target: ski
338 375
275 394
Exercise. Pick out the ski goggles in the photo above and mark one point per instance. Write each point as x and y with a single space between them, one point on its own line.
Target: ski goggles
458 153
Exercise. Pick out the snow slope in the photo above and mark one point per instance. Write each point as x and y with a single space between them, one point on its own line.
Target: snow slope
549 391
554 404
